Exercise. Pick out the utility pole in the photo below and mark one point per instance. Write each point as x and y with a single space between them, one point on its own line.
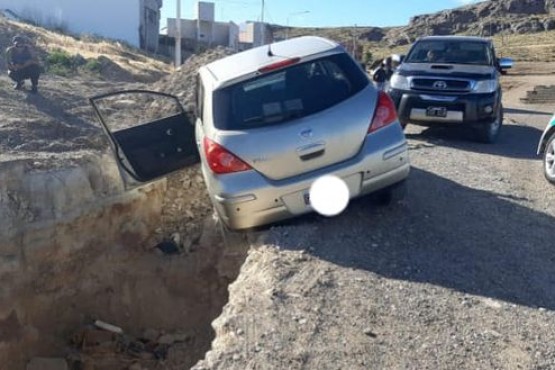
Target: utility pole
263 25
178 35
355 41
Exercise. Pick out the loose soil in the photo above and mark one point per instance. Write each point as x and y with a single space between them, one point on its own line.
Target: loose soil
459 275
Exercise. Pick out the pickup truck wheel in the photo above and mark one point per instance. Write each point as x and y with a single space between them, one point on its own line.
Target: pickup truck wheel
489 132
549 160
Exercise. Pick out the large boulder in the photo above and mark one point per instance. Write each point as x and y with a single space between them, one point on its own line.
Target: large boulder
528 26
486 18
374 34
524 6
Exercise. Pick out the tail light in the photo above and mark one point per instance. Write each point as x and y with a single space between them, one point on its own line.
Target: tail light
279 65
221 160
385 113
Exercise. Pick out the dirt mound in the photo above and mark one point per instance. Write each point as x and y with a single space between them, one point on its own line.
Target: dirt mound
182 82
60 119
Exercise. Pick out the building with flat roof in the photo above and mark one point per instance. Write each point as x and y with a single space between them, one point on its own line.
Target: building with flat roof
136 22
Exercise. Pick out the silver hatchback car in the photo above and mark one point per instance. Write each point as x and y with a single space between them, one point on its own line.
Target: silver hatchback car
271 121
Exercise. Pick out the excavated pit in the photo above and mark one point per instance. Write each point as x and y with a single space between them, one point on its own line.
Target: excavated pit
76 247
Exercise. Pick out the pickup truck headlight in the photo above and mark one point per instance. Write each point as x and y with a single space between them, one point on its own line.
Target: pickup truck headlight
399 82
486 86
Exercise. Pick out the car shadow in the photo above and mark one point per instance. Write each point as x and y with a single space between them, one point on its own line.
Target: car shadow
445 234
526 112
514 141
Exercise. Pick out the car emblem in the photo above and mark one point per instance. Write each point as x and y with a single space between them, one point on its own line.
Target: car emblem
440 85
306 133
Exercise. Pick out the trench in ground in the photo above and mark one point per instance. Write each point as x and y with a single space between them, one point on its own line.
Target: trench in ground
164 303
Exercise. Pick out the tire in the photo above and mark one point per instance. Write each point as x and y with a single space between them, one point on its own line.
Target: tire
392 194
549 159
489 132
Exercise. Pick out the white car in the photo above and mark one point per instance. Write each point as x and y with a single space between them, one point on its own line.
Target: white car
547 148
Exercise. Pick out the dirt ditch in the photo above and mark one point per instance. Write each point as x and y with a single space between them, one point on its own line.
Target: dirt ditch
76 248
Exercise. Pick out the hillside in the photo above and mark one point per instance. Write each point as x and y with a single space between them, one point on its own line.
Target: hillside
524 29
113 60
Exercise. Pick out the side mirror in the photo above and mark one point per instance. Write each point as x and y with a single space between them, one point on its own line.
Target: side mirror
504 64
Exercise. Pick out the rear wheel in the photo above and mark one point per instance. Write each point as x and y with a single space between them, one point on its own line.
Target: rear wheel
549 159
489 132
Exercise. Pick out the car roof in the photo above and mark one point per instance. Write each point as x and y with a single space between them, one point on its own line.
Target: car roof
250 61
455 38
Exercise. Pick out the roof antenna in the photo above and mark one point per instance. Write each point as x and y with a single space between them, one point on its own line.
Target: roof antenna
270 53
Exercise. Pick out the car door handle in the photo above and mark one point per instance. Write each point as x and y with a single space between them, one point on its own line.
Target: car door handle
311 151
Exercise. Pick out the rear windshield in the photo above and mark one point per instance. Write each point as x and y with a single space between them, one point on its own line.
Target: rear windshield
287 94
452 52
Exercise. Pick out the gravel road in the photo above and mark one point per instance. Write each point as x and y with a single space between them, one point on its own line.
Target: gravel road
460 275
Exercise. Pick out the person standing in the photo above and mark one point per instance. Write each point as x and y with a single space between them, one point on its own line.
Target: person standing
388 68
383 73
23 63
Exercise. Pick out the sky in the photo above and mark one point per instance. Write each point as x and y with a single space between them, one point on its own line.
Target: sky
317 13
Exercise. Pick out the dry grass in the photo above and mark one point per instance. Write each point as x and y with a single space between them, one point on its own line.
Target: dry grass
129 58
537 47
533 47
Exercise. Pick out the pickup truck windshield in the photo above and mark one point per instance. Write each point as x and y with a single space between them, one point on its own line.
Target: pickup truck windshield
451 52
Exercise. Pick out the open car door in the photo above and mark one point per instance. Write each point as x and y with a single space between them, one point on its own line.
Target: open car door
149 131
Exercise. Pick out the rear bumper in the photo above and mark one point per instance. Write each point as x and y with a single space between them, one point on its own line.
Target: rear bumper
248 199
469 109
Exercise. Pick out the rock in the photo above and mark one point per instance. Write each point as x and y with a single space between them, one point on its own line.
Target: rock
41 363
549 24
486 18
173 338
528 26
370 333
168 247
79 60
151 335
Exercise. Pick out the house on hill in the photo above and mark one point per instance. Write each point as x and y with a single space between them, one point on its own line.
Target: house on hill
204 30
136 22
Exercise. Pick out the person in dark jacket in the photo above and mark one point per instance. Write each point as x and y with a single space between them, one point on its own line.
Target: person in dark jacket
383 73
23 63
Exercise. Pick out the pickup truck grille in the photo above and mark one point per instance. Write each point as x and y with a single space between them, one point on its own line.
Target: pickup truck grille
438 84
